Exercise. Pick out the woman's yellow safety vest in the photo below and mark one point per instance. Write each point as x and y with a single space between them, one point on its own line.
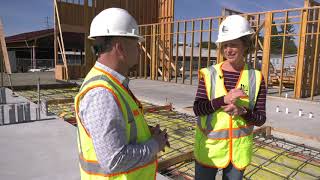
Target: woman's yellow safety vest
136 128
221 138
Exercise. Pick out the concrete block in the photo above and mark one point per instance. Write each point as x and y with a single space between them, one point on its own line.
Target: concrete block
26 109
12 113
1 115
20 112
3 98
44 107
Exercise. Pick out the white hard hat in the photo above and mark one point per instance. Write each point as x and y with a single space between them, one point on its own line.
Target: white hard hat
233 27
114 22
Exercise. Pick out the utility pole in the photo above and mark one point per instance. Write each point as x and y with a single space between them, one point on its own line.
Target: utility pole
47 22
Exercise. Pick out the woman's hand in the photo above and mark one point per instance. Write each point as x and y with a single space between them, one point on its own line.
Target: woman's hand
233 95
235 110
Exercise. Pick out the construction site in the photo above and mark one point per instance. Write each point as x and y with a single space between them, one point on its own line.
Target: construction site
42 71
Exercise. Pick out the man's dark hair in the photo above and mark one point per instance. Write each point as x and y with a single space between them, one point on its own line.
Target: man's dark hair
102 45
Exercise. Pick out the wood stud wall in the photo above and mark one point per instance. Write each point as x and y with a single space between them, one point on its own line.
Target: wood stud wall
162 37
76 17
304 82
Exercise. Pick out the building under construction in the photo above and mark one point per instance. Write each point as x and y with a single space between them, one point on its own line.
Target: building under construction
286 51
175 50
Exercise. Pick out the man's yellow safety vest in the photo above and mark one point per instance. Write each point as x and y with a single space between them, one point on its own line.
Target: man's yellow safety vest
221 138
136 128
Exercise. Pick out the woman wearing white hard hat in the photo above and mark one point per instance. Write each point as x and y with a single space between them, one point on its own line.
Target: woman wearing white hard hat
230 101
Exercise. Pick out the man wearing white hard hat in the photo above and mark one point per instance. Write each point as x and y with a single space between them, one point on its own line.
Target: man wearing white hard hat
230 101
114 139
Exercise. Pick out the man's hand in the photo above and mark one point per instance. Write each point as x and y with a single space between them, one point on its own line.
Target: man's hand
233 109
160 136
233 95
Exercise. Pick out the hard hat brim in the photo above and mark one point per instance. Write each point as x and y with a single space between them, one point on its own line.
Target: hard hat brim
140 38
233 37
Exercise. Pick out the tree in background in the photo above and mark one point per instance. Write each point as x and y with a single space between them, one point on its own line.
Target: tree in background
291 47
276 41
205 45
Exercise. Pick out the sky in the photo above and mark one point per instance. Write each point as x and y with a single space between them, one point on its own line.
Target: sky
19 16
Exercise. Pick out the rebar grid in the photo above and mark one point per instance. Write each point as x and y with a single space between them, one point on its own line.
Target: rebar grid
180 131
49 94
273 158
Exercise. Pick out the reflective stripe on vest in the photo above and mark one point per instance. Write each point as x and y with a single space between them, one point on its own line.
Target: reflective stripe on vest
236 133
133 130
213 73
91 167
252 88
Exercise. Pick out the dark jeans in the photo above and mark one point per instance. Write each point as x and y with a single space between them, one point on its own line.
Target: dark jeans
206 173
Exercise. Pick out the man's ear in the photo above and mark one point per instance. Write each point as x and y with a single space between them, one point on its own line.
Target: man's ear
121 50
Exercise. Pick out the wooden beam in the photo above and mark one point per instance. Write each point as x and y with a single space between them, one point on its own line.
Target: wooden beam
153 54
184 51
209 42
61 40
315 60
256 42
158 108
4 50
266 46
73 28
177 53
188 156
218 52
200 46
301 54
304 136
264 131
191 55
163 44
89 56
284 39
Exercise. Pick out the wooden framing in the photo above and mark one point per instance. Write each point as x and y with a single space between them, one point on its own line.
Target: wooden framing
177 52
188 156
184 51
219 54
3 51
77 16
266 46
200 45
191 54
315 61
166 59
302 73
283 53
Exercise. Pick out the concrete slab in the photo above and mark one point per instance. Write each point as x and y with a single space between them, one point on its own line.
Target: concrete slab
39 150
161 93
